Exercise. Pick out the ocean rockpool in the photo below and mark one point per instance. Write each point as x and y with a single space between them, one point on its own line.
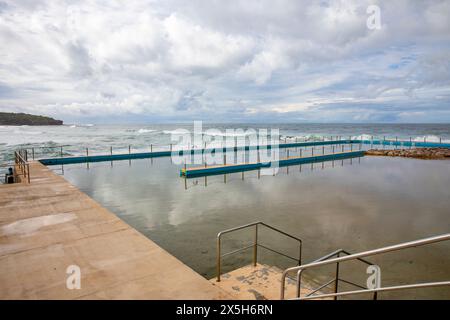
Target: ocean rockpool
356 205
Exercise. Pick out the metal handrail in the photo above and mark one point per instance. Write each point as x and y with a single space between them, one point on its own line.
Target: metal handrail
376 290
255 244
336 278
21 161
396 247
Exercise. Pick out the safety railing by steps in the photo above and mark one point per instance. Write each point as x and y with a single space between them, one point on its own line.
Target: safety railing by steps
21 164
327 260
254 245
336 280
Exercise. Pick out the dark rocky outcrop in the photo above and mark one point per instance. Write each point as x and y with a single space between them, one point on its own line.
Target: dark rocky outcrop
419 153
20 119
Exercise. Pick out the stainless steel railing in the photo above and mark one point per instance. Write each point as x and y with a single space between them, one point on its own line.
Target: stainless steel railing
21 163
336 280
255 245
376 290
401 246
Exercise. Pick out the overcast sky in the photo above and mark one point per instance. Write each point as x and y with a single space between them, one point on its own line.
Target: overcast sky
315 61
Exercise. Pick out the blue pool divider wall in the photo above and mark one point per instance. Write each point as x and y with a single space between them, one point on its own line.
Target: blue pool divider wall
216 170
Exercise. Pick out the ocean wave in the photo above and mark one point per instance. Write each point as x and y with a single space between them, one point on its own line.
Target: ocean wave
176 131
428 138
229 134
27 132
213 133
145 130
302 138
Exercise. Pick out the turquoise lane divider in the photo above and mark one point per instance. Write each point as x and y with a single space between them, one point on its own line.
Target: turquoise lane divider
215 170
144 155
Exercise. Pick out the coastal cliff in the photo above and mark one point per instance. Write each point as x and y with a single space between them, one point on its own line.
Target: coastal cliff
20 119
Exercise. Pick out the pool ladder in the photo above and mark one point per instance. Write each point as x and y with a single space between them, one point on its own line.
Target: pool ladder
329 259
335 257
254 245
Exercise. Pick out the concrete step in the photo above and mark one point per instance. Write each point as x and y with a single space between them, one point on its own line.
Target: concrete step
262 282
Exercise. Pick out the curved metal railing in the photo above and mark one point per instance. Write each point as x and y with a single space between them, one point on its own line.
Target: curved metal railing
401 246
336 278
255 245
21 164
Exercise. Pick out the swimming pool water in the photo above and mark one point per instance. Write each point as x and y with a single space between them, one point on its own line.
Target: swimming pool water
360 205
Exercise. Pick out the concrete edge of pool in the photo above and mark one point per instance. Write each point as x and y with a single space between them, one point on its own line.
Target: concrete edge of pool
48 225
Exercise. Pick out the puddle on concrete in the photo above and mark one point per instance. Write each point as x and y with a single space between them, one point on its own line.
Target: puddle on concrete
27 227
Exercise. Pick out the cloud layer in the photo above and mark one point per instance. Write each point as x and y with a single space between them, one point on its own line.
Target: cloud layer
226 60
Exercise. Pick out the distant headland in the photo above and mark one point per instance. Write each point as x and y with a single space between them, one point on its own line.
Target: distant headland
21 119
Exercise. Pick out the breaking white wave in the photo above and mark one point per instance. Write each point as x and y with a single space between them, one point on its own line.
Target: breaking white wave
428 138
214 133
229 134
145 130
303 138
176 131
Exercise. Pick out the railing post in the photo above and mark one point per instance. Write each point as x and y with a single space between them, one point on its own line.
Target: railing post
336 280
218 258
28 174
129 155
87 158
300 253
298 285
255 247
185 176
32 150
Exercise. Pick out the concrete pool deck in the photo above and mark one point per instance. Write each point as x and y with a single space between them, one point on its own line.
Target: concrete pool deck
49 224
